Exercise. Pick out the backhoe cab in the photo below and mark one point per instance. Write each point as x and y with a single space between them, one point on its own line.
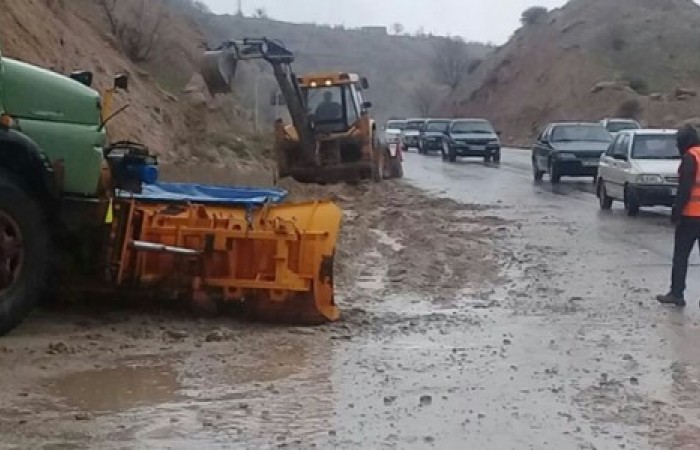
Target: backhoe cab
332 137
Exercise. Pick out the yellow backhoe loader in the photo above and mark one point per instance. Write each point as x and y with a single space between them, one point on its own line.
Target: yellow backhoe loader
332 137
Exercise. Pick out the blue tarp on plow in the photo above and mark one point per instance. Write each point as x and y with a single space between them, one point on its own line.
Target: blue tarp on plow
200 193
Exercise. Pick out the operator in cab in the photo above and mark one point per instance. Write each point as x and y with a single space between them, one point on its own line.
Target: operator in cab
328 110
686 213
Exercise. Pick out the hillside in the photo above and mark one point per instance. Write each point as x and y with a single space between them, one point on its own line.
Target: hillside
395 65
636 53
198 137
195 136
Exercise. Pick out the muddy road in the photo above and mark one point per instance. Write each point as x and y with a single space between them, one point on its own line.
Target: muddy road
481 310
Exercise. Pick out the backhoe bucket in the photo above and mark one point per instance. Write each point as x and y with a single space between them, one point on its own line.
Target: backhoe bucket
276 260
218 68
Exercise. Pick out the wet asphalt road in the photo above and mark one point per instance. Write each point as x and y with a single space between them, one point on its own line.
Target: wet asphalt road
649 235
567 351
598 363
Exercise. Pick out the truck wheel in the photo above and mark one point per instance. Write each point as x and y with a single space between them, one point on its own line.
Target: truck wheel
24 254
497 156
487 157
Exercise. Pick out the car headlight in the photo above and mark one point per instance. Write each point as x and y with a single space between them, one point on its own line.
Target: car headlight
650 179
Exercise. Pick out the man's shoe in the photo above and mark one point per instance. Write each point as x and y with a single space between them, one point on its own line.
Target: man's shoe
670 299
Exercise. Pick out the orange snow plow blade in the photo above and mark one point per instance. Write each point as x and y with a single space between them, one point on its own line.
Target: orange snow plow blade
276 260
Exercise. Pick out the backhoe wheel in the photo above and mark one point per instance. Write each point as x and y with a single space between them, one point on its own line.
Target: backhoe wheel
24 253
388 166
396 167
378 168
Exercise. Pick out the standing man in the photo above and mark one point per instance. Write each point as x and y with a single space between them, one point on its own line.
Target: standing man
686 213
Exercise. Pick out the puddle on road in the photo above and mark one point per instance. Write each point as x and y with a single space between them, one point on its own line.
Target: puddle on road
278 363
117 389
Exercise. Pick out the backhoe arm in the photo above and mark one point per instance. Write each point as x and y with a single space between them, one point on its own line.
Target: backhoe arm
218 68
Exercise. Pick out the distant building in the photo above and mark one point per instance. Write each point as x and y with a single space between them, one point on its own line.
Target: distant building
377 31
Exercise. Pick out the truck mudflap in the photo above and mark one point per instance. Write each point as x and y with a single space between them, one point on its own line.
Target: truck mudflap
276 260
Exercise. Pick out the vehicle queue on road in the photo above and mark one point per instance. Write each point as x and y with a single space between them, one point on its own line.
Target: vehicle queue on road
629 164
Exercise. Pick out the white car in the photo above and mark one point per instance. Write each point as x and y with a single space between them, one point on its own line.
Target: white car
614 126
640 168
393 130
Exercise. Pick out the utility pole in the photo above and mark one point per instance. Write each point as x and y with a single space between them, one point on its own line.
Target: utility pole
257 103
240 8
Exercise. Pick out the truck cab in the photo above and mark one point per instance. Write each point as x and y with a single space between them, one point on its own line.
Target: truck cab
55 119
57 182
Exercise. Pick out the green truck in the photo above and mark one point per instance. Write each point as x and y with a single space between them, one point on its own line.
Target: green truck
57 179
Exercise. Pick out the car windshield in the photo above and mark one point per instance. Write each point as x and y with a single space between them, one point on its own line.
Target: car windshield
655 147
415 126
472 126
395 125
615 127
572 133
440 127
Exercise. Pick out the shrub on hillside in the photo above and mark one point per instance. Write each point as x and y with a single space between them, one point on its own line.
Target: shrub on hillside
630 109
638 84
533 15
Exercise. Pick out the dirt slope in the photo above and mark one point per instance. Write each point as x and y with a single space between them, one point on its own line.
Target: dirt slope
183 125
547 71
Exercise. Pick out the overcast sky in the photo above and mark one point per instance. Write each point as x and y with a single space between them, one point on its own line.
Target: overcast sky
478 20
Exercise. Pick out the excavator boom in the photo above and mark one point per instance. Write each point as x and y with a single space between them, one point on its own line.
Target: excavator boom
335 143
218 68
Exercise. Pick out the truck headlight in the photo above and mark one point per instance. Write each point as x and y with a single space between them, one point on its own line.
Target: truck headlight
650 179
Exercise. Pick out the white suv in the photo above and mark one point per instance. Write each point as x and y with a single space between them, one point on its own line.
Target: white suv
614 126
640 168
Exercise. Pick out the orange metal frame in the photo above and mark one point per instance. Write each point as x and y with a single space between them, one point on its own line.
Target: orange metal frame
277 258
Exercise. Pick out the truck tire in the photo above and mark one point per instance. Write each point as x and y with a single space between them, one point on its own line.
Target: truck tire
24 253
